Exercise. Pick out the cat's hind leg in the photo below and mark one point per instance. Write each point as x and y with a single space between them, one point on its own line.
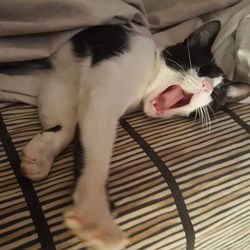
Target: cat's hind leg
57 112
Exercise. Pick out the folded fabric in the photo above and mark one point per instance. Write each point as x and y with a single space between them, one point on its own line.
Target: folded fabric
36 30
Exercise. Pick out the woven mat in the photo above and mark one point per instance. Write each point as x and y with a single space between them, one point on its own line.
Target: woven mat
174 186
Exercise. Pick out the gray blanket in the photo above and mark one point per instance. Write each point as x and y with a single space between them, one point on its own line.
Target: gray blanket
36 29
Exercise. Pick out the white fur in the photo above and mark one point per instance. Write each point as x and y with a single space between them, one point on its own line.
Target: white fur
96 97
234 92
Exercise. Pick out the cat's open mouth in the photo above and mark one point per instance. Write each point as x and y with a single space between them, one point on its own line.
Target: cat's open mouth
172 97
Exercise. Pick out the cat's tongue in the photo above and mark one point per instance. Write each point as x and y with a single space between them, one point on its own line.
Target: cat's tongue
168 98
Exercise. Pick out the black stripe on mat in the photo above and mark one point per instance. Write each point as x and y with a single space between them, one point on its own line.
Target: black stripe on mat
242 123
176 192
29 194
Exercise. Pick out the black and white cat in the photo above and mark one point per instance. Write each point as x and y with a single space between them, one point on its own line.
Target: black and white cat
93 80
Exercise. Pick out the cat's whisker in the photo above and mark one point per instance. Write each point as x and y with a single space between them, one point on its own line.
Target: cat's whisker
198 70
211 110
212 60
177 65
168 52
191 68
196 116
205 119
210 126
199 113
201 116
189 57
191 78
178 73
205 126
193 82
208 120
189 81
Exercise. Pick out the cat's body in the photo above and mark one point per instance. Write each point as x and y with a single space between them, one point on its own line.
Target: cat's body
92 81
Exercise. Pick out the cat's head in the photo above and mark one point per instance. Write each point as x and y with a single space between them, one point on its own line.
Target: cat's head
189 81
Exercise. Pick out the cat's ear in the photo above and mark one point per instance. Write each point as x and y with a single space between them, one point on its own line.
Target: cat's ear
205 35
235 91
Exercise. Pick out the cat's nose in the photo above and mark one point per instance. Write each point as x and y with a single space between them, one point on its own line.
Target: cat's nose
207 86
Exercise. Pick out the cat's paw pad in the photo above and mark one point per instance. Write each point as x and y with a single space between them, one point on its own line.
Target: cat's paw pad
96 235
35 161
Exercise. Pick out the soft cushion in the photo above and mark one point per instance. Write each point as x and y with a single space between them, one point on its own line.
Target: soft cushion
173 185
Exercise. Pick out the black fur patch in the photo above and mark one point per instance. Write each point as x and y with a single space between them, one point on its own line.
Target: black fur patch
57 128
78 155
102 42
25 67
177 57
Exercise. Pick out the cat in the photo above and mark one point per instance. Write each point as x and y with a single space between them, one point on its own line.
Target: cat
101 74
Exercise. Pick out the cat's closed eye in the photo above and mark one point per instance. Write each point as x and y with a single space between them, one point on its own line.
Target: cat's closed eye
209 70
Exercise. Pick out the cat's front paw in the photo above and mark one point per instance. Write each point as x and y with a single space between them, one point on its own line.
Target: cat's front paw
96 234
35 160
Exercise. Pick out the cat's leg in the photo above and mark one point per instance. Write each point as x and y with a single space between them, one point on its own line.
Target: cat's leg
90 217
57 112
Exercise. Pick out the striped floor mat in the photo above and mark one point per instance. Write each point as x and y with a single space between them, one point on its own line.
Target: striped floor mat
173 185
